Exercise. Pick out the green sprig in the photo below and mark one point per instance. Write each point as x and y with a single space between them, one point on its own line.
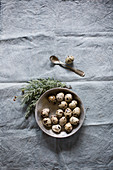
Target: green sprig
34 89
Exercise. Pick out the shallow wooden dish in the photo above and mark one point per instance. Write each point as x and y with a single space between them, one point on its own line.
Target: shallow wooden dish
44 103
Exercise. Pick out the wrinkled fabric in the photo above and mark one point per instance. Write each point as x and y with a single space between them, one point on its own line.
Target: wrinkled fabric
30 32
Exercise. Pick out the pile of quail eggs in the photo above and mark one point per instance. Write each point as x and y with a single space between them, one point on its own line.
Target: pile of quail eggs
67 115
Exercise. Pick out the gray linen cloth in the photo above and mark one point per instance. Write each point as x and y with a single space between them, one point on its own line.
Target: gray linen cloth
31 31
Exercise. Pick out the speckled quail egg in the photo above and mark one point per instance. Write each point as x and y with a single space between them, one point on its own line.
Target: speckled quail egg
45 112
76 112
47 122
52 99
60 97
68 127
54 119
73 104
56 128
62 121
68 97
59 113
74 121
63 105
69 59
68 113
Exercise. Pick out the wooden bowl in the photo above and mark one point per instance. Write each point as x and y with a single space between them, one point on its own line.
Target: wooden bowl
44 103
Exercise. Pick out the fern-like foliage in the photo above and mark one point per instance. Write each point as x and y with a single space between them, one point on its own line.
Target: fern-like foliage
34 89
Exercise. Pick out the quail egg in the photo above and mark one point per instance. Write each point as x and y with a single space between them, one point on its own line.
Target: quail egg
68 113
52 99
68 127
73 104
68 97
60 97
74 121
47 122
59 113
45 112
62 121
76 112
54 119
56 128
69 59
63 105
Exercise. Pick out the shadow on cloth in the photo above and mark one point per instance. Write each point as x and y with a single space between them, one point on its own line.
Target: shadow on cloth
64 144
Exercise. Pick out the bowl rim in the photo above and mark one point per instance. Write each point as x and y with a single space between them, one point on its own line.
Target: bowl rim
55 135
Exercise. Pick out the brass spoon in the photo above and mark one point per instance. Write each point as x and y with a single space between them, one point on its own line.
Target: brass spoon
55 60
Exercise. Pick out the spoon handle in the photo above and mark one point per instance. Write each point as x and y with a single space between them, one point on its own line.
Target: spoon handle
79 72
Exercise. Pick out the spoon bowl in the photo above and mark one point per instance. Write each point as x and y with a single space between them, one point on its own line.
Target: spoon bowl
54 59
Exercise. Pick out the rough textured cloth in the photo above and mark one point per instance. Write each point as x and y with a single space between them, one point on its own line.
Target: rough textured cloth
31 31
